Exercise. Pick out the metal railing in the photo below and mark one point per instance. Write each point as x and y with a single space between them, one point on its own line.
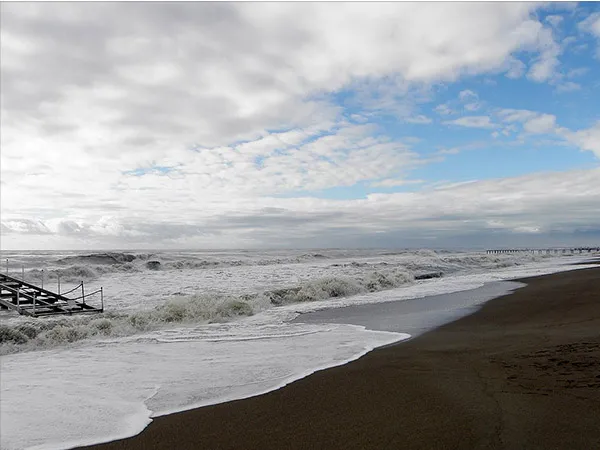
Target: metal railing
74 289
81 286
83 296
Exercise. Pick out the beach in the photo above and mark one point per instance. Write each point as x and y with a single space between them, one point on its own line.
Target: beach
521 372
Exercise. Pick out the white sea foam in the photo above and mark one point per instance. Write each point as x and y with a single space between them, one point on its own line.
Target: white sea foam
28 334
139 299
90 395
156 351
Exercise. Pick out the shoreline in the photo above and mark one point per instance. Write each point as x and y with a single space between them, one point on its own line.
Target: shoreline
403 396
415 316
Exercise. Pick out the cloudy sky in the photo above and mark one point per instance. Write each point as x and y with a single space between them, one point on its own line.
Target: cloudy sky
244 125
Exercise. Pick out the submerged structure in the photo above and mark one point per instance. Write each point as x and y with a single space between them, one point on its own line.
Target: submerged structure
32 300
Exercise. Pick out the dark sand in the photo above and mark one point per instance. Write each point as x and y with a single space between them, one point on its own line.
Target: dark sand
523 372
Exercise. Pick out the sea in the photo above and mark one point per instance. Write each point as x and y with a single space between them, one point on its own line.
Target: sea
184 329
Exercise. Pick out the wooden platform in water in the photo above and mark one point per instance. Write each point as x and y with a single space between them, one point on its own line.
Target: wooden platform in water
32 300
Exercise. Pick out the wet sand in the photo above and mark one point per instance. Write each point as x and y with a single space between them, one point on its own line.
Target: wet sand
523 372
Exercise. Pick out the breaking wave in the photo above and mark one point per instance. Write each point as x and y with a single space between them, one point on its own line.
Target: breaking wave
50 332
99 258
76 273
75 268
332 287
357 276
86 267
91 266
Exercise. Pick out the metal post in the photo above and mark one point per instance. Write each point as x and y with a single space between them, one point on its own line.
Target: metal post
34 303
58 277
82 293
101 300
6 266
42 278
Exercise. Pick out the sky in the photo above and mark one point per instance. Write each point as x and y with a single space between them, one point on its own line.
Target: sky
299 125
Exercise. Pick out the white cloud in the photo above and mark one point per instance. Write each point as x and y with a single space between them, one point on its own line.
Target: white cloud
568 86
587 139
554 20
527 229
544 202
472 122
539 123
543 68
472 106
577 72
467 95
391 182
516 68
544 123
143 96
277 55
25 226
450 151
592 25
546 64
516 115
470 100
443 109
420 119
225 106
568 41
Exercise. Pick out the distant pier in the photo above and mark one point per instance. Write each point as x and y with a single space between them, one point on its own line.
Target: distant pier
31 300
547 251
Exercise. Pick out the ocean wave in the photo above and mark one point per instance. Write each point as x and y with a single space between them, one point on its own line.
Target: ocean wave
77 273
34 334
347 278
87 267
99 258
93 265
200 264
426 263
